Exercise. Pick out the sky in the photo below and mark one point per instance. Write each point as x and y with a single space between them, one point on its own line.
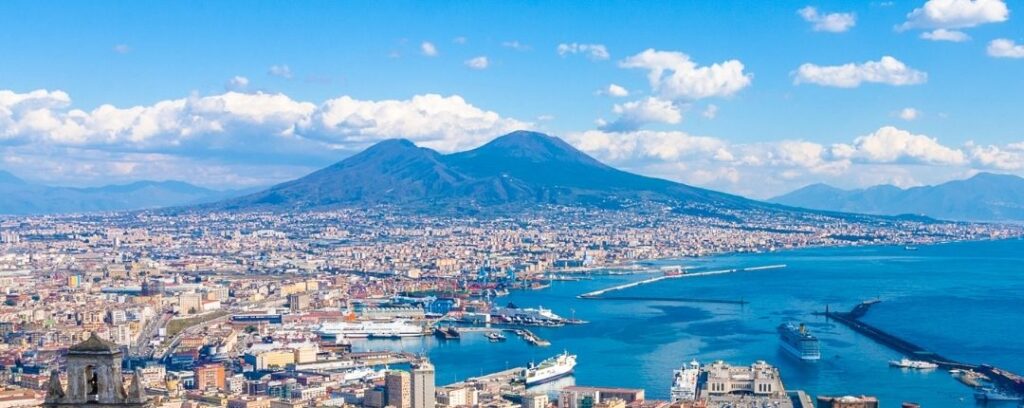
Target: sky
752 98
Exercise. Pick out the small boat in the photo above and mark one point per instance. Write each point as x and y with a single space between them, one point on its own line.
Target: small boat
447 333
992 394
495 336
915 364
969 378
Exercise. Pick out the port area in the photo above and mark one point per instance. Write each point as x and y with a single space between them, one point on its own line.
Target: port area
599 294
852 319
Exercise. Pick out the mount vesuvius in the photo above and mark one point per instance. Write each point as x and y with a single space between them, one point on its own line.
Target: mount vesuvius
512 171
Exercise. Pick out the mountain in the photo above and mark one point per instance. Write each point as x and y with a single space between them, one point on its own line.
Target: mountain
515 170
18 197
984 197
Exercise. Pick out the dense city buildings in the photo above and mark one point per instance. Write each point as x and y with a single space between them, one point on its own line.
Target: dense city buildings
261 309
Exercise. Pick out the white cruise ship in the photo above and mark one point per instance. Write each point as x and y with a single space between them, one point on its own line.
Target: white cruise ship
550 369
684 382
369 329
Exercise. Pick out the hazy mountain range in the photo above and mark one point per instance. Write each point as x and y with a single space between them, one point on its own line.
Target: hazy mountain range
984 197
19 197
517 170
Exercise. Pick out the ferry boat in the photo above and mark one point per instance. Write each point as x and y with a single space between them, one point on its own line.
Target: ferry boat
992 394
684 383
369 329
799 342
550 369
915 364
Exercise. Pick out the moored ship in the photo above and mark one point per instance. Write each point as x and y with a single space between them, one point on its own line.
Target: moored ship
550 369
915 364
684 382
799 342
369 329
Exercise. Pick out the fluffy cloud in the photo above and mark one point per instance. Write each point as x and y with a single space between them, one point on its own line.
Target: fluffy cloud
428 48
887 155
892 145
478 63
672 75
1004 48
233 122
443 123
237 83
943 34
830 22
633 115
616 90
1010 157
909 113
515 45
282 71
953 14
888 70
122 48
596 52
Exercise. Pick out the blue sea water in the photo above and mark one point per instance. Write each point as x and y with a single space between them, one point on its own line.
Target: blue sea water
962 300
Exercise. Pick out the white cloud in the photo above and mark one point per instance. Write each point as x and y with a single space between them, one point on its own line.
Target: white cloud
674 76
1004 48
428 48
710 112
282 71
443 123
237 83
953 14
994 157
122 48
596 52
764 169
830 22
515 45
892 145
459 40
943 34
633 115
887 70
230 123
909 113
480 62
616 90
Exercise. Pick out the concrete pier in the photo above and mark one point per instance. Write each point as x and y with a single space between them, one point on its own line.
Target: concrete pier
598 293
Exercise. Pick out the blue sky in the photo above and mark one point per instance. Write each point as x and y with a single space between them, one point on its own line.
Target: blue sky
241 71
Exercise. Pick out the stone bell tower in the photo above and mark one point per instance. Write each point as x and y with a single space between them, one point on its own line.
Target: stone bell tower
94 379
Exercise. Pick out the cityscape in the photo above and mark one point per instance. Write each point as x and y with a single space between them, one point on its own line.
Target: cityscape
243 248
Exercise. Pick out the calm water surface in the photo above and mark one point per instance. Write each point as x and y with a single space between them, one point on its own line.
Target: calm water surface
963 300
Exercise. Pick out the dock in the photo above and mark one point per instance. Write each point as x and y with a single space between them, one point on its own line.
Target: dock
671 299
531 338
852 320
600 292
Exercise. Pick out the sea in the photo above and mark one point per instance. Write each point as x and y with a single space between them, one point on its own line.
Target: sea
963 300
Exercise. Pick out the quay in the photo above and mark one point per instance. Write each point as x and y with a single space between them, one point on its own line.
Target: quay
598 293
531 338
671 299
508 376
852 320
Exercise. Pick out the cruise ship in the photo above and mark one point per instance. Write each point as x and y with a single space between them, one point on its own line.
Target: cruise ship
799 342
684 382
369 329
550 369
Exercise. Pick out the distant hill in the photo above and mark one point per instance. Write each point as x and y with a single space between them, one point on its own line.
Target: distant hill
984 197
516 170
18 197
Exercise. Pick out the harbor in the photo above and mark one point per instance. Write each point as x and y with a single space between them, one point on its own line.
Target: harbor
1000 377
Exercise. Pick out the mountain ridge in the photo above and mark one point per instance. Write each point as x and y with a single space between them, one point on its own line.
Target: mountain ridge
517 169
982 197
